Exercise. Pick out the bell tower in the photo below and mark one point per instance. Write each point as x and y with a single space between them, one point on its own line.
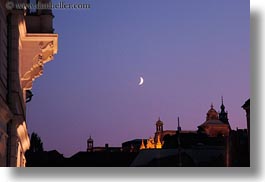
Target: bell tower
159 125
223 115
159 130
90 143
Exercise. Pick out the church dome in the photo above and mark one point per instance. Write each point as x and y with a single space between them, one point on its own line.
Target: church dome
213 122
212 114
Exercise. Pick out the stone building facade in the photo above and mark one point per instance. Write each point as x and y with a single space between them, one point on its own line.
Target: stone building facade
27 42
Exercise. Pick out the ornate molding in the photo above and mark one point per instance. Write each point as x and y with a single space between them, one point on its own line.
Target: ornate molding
32 66
36 50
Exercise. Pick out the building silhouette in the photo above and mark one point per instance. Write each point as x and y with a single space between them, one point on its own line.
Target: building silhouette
215 124
214 144
246 107
90 144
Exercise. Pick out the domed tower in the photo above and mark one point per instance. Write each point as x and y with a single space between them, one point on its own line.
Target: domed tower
159 125
212 114
90 144
159 130
213 126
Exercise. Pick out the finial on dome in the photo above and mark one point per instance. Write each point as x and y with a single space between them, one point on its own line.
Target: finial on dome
211 105
222 105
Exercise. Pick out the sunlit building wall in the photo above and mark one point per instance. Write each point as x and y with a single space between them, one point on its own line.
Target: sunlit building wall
27 42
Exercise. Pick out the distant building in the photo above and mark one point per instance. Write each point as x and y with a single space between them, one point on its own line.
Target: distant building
27 42
107 148
246 107
91 148
90 144
191 147
215 124
161 133
141 144
151 144
217 147
155 142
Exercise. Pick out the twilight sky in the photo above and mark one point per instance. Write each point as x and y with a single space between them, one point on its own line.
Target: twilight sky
190 53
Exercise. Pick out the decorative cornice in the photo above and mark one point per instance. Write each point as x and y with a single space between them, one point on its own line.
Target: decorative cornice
37 49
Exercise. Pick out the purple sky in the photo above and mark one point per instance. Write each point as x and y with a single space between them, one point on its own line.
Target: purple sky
189 52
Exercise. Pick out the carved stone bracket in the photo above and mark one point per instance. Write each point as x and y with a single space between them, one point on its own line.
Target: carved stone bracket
35 54
36 50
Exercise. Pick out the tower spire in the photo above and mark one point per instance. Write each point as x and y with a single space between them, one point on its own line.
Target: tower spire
222 105
179 128
223 115
179 148
159 125
90 144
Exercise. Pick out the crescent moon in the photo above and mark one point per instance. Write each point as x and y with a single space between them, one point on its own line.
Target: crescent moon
141 81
